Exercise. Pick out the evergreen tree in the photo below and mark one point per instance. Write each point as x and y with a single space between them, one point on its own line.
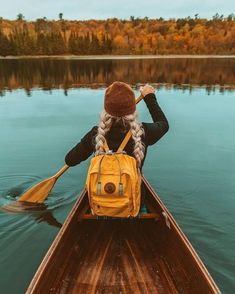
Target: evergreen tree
95 47
4 45
57 43
20 16
41 44
73 44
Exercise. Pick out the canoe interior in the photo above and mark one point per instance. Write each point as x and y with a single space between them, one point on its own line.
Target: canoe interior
121 256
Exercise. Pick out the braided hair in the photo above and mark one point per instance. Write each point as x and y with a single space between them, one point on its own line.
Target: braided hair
130 121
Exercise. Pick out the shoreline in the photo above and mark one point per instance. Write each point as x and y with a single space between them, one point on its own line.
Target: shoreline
95 86
103 57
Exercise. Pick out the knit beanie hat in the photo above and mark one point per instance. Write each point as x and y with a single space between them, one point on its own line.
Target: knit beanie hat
119 99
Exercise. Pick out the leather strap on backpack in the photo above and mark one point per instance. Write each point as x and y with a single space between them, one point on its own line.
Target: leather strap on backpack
125 141
106 147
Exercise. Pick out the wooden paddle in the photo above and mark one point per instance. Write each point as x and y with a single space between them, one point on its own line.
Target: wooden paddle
40 191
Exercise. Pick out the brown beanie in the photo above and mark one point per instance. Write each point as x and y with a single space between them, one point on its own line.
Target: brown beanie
119 99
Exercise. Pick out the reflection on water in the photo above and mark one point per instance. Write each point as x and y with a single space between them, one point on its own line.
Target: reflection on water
39 212
59 73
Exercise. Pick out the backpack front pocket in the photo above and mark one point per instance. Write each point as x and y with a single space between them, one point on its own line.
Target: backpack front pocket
111 207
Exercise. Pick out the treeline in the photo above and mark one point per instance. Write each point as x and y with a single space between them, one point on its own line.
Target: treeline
116 36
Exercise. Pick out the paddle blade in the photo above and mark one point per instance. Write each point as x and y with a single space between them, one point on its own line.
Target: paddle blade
39 192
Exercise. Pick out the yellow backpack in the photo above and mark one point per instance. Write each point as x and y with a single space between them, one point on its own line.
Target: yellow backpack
113 183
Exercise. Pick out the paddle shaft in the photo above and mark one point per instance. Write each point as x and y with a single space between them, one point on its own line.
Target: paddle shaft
139 99
61 171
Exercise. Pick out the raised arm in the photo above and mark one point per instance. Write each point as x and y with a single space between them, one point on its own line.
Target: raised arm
154 131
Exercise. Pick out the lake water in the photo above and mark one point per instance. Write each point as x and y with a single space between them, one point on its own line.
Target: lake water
46 105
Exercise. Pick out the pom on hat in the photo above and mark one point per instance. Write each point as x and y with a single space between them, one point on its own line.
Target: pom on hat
119 99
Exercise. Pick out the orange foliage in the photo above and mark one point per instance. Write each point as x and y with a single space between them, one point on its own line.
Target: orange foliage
134 36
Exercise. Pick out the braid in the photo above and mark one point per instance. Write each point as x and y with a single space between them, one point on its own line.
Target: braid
137 131
103 127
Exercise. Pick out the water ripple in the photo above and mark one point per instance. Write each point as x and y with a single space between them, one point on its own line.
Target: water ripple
10 193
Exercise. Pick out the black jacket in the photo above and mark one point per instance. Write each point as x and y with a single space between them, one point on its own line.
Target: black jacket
152 133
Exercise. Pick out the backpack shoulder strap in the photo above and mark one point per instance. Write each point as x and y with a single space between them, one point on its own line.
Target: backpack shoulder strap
106 147
124 142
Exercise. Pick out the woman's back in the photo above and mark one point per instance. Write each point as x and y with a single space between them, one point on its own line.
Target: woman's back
152 132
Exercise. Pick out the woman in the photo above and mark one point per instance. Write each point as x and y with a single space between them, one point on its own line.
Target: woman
118 117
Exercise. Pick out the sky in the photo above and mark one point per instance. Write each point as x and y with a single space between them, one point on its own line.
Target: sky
102 9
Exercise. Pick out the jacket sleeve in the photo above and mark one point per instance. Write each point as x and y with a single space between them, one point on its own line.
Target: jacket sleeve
82 150
154 131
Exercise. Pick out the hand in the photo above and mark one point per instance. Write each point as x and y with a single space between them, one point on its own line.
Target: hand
147 89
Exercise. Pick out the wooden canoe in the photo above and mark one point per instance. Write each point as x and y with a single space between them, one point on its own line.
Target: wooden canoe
149 254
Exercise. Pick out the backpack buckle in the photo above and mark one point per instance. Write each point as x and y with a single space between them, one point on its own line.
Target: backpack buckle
98 191
109 152
120 189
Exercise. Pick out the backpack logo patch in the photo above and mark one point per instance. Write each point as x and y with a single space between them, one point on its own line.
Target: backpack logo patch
109 188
